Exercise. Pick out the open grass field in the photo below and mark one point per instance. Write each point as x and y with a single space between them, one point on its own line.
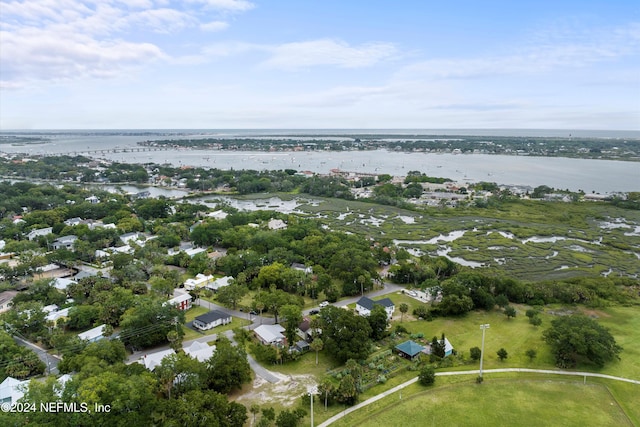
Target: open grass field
504 402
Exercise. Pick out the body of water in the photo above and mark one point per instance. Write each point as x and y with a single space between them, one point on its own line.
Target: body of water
603 176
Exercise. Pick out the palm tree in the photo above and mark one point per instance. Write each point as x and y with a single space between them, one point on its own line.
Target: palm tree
403 309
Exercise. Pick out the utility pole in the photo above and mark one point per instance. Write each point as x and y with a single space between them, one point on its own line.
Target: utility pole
484 328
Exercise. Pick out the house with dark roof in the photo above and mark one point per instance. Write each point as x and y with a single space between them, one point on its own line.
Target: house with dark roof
409 349
364 306
211 320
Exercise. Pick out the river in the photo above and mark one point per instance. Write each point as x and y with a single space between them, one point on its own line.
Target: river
601 176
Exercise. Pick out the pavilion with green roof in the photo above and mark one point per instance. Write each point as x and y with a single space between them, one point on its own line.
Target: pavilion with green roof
409 349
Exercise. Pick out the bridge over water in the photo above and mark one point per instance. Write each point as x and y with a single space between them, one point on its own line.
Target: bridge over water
108 151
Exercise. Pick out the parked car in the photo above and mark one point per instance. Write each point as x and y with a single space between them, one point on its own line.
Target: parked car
312 312
324 304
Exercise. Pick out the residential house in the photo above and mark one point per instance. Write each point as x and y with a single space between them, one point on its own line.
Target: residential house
55 315
5 300
270 335
201 351
93 335
306 332
61 283
199 281
409 349
92 199
12 390
448 348
65 242
301 267
211 320
219 214
39 232
302 346
181 302
72 222
276 224
128 237
364 306
82 274
152 360
219 283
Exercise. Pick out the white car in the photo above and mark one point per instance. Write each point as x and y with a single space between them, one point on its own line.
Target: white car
324 304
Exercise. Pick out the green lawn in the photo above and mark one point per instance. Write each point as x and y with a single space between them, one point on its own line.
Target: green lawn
497 402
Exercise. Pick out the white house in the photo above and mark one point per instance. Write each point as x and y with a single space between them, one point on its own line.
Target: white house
270 334
199 281
219 214
11 390
93 335
72 222
201 351
219 283
92 199
64 242
61 283
211 320
152 360
39 232
364 306
276 224
6 298
56 315
181 302
128 237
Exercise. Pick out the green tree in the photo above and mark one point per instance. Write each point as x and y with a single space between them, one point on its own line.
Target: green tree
149 321
228 368
531 354
427 375
288 418
292 317
378 321
403 309
345 334
317 345
577 337
326 387
502 354
232 294
509 311
347 392
475 353
535 321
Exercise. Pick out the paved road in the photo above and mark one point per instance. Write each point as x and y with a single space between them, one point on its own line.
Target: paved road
472 372
49 360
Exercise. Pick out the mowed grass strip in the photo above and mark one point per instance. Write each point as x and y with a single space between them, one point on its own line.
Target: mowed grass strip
499 402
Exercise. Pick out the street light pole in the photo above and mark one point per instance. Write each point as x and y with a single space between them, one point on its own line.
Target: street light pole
483 327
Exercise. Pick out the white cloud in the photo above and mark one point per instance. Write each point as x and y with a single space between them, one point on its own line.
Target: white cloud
53 40
214 26
551 53
291 56
41 55
228 5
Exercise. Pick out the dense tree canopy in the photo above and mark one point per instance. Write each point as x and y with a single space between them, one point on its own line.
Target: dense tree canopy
578 338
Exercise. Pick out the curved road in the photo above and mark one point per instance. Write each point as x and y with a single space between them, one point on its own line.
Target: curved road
473 372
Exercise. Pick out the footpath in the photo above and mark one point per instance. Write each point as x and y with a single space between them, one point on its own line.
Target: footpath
473 372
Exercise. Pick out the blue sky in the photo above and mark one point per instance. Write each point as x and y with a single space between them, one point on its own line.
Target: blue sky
100 64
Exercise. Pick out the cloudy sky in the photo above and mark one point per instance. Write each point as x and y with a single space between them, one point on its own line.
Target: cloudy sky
100 64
